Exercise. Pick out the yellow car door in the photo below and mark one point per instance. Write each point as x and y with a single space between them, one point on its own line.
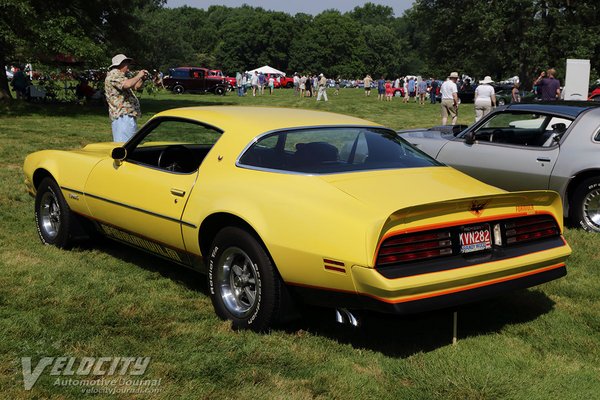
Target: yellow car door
139 199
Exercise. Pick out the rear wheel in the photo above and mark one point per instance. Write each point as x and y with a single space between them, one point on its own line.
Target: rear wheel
501 101
52 215
178 89
585 207
245 286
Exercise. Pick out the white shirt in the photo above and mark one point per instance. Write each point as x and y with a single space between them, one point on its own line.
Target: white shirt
448 87
254 80
484 93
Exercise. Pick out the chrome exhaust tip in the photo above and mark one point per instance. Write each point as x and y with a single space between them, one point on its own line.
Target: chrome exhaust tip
344 316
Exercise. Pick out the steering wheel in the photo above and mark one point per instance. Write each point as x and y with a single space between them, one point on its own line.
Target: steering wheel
176 158
498 133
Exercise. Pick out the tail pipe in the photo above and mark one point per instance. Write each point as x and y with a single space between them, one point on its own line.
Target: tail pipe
344 316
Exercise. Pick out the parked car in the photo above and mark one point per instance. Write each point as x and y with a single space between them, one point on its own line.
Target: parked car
595 94
280 81
554 146
218 73
504 97
284 205
194 80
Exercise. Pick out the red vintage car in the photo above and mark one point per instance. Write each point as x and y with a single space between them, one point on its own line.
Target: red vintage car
220 74
281 80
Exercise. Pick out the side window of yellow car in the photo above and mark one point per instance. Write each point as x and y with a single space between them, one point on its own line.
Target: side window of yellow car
182 132
175 145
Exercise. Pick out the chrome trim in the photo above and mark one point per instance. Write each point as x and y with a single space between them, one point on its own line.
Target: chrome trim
131 207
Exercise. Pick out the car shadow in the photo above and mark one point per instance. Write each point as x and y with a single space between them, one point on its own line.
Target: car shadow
403 336
391 335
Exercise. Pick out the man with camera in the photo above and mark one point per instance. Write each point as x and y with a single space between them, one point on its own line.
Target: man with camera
123 105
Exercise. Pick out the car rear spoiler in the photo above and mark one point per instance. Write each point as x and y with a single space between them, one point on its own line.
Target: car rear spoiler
521 203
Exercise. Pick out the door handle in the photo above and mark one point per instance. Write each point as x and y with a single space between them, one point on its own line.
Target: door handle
543 159
177 192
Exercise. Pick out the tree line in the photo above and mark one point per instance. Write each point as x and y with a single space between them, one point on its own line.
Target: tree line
501 38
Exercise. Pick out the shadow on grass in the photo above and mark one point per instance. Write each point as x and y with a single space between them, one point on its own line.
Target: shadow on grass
392 335
149 106
403 336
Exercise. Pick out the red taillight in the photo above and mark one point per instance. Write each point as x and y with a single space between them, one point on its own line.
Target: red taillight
414 247
530 228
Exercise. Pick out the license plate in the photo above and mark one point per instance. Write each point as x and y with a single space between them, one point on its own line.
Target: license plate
475 238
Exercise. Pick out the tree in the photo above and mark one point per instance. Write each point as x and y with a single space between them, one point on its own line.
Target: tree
86 29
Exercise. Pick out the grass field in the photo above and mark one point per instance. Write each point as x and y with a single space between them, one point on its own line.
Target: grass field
106 300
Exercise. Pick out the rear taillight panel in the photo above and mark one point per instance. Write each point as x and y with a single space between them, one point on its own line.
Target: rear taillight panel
411 248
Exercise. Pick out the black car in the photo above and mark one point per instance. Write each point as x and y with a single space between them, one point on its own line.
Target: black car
194 80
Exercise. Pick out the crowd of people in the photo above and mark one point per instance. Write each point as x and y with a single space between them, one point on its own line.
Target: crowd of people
124 107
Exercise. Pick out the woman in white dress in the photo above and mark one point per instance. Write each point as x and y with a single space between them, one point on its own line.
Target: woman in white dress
485 98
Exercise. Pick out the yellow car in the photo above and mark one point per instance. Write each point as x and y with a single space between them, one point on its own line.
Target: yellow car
278 206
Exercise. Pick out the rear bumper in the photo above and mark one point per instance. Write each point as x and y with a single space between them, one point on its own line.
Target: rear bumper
465 294
354 301
445 288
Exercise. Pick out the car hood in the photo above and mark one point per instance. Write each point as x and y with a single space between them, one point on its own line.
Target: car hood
100 148
390 190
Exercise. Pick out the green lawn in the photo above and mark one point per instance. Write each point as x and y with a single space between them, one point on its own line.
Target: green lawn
107 300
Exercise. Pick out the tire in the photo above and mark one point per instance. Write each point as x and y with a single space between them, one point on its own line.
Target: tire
219 90
178 89
585 207
53 216
596 98
501 102
245 287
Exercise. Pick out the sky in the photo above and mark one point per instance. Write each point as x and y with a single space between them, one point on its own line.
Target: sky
294 6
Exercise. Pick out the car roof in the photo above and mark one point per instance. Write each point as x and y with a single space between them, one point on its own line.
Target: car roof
570 108
251 121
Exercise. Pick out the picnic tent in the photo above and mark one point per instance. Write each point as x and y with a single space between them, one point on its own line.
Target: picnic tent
267 70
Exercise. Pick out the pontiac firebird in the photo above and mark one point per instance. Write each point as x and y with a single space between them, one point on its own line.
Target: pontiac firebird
277 206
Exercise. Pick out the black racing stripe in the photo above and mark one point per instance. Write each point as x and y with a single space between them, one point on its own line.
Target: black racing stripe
130 207
461 260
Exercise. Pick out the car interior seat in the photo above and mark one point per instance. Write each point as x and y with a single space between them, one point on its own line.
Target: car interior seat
315 153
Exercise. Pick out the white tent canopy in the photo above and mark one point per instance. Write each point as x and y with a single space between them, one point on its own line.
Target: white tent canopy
267 70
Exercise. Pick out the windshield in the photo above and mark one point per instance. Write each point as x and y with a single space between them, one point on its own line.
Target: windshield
333 150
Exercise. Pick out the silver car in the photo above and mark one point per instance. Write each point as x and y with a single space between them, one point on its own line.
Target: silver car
529 146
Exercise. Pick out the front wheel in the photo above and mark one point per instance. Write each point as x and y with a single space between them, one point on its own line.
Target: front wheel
245 287
220 90
501 102
178 89
52 215
585 208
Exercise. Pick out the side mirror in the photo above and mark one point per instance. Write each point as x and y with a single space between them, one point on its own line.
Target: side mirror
469 137
119 153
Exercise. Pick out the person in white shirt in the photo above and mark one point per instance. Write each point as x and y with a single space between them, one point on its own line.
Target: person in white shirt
322 84
449 93
254 83
485 98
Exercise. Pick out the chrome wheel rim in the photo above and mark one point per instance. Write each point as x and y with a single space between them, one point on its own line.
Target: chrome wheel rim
237 278
49 215
591 209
